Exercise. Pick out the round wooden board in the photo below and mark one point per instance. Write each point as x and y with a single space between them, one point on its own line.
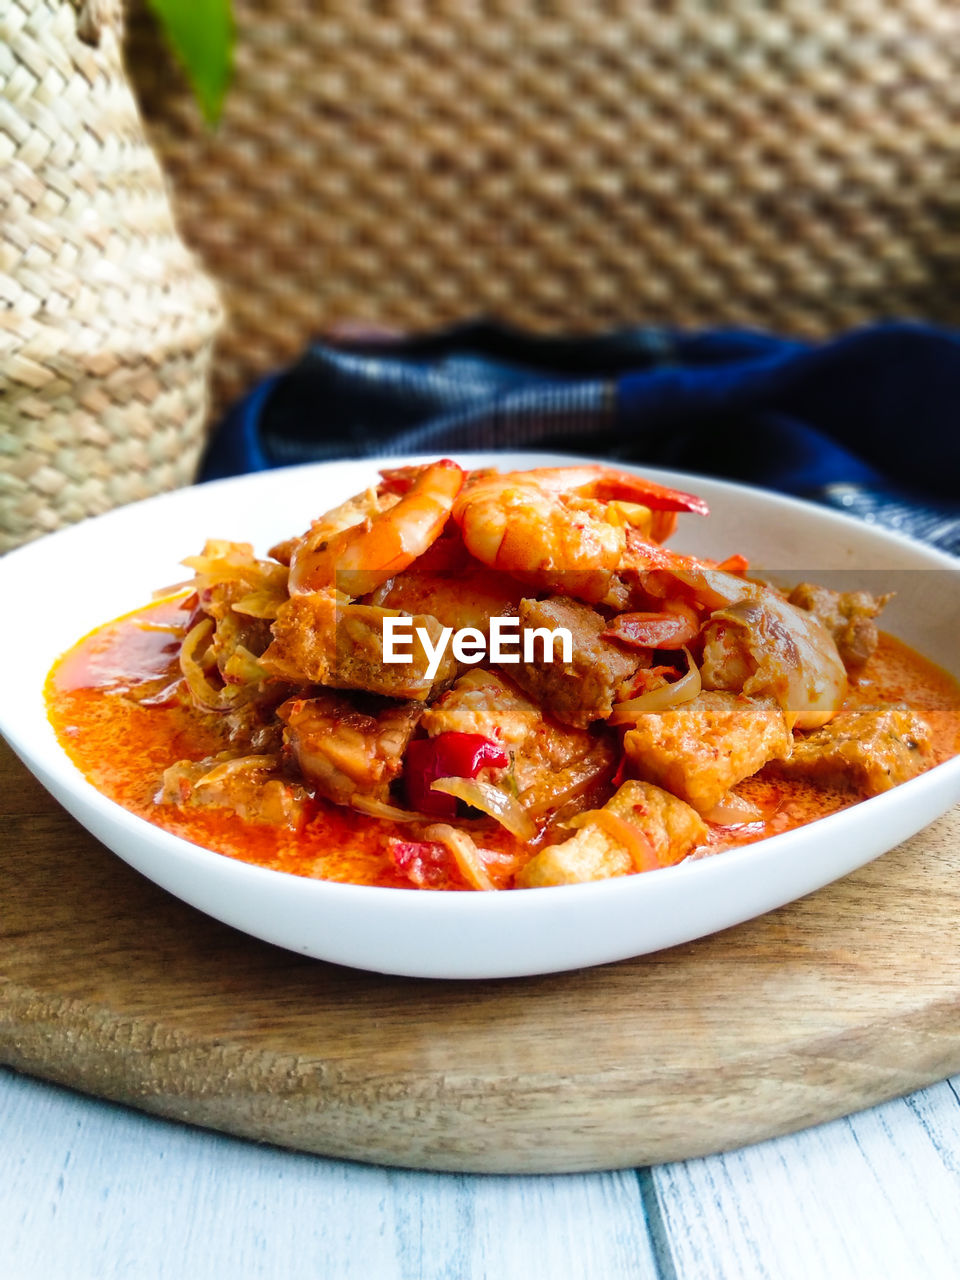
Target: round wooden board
833 1003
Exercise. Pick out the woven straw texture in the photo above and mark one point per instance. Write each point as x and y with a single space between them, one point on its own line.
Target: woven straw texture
106 321
570 165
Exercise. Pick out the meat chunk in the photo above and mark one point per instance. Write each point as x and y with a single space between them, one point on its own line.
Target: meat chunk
345 752
469 597
249 785
868 750
582 690
702 748
317 640
645 818
253 727
545 790
550 762
847 615
764 647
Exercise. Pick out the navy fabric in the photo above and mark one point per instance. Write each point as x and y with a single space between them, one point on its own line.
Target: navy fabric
868 422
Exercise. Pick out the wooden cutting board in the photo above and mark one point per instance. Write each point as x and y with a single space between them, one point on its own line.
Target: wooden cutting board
844 999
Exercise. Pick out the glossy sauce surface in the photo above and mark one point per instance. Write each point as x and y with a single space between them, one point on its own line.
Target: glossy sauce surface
122 747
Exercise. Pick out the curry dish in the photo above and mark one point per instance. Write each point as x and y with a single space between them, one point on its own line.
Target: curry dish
257 711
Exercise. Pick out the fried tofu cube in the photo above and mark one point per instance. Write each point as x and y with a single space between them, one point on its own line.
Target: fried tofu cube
320 640
485 703
664 827
869 750
544 753
702 748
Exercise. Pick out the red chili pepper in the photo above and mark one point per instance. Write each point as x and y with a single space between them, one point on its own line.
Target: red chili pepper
621 775
425 863
448 755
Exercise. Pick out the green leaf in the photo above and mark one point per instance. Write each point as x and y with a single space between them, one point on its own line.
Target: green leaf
200 33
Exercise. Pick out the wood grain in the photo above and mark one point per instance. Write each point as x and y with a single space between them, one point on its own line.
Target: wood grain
844 999
872 1195
98 1192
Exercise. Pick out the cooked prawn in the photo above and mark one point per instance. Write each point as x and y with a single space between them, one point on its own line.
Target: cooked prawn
360 557
676 625
564 528
362 506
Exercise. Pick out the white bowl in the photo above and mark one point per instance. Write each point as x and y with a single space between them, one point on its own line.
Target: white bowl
57 589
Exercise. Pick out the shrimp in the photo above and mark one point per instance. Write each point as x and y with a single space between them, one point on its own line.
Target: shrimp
754 641
676 625
361 557
564 528
362 506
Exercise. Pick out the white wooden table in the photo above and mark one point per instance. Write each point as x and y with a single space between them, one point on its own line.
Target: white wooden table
93 1191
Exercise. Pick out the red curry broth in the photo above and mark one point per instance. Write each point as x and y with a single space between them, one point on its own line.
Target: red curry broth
123 746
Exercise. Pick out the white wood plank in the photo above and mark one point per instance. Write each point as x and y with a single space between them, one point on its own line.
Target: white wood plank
876 1195
524 1227
92 1191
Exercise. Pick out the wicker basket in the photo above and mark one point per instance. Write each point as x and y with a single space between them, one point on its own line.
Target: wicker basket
791 164
106 322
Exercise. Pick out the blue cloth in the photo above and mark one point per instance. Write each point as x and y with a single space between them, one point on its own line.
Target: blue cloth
869 422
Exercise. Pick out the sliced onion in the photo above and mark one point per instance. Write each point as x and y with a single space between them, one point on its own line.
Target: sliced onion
241 764
490 800
732 810
204 694
465 854
235 562
194 642
669 695
380 809
243 668
636 841
260 604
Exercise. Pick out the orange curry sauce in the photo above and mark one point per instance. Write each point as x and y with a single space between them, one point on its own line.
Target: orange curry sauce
122 747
